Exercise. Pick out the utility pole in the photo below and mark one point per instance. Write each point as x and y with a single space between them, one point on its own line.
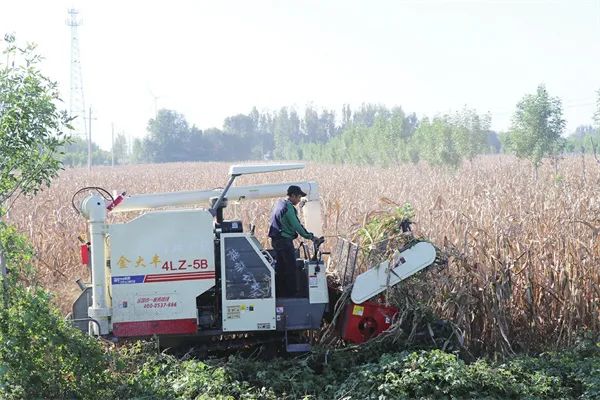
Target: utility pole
89 138
129 147
155 98
112 145
90 142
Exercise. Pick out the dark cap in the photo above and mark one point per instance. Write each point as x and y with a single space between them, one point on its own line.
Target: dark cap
295 190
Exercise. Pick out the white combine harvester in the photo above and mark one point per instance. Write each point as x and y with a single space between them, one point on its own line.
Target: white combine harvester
184 273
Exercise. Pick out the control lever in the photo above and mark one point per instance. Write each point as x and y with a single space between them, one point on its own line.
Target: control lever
316 244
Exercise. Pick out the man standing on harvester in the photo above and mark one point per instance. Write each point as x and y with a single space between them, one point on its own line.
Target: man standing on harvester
285 227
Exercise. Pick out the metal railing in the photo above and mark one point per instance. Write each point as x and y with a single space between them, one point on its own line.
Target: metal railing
348 259
343 260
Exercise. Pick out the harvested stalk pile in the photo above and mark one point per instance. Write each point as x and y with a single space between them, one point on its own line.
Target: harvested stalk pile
382 235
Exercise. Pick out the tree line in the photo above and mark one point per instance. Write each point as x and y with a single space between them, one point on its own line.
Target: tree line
370 134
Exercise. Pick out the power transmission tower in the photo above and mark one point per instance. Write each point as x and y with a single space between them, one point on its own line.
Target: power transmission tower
76 103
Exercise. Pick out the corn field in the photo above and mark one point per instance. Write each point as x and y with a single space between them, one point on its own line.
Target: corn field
524 255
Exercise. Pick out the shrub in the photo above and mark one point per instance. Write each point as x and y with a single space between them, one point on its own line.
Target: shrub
41 354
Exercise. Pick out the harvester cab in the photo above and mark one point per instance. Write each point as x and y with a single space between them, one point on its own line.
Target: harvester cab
180 270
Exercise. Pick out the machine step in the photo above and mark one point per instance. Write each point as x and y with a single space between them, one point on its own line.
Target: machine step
298 347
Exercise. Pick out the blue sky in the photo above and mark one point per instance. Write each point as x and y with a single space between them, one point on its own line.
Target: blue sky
209 60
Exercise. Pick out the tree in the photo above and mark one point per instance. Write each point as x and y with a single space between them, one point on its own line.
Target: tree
76 153
368 113
243 130
537 126
493 143
596 116
240 125
437 142
168 139
137 151
120 149
266 133
346 116
282 133
32 129
32 134
470 131
582 139
311 125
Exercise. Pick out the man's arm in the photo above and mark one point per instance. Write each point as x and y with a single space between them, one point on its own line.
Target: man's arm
292 219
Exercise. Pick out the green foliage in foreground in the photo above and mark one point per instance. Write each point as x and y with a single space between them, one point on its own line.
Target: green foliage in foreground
41 356
573 374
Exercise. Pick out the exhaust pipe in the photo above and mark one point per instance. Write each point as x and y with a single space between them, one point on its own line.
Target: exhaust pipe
81 285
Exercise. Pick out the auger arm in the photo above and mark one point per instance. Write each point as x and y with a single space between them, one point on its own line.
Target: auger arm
311 210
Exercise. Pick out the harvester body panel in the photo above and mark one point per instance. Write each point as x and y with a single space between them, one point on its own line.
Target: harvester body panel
317 283
247 284
160 262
